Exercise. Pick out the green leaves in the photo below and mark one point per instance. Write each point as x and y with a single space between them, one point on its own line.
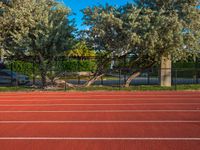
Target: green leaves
176 25
81 50
146 30
41 26
111 28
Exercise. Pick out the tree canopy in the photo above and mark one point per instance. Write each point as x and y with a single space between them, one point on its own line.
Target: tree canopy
178 23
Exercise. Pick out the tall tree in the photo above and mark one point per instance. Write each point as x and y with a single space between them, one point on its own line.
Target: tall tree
159 35
184 14
38 28
148 30
111 31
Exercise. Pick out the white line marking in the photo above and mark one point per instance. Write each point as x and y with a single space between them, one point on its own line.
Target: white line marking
93 99
102 121
95 111
128 104
108 94
102 138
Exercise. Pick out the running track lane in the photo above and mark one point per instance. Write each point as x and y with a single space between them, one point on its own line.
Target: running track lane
107 116
182 133
101 107
92 129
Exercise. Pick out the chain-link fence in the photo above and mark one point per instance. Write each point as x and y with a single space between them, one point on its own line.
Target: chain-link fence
78 72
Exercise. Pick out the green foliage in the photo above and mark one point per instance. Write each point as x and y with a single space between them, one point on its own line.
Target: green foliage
146 30
187 69
22 67
111 29
75 65
81 50
174 27
40 28
184 65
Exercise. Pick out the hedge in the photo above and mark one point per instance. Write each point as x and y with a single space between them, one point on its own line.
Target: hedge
73 65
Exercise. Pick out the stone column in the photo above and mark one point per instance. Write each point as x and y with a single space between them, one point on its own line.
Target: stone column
166 71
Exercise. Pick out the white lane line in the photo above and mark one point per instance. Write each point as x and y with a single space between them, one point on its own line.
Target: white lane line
108 94
93 99
128 104
105 94
93 111
102 121
103 138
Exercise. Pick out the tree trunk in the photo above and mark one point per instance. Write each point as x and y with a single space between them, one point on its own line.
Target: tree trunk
130 78
87 84
43 78
92 80
43 71
2 55
165 71
98 74
137 73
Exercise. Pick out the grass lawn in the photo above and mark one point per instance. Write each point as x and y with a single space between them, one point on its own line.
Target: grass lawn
109 88
141 88
21 88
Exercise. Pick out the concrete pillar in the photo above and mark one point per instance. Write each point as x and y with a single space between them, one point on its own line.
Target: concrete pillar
166 71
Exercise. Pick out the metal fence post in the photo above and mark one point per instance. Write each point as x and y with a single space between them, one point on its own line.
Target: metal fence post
33 71
78 70
65 81
175 79
148 78
124 69
196 75
17 80
11 70
101 80
119 78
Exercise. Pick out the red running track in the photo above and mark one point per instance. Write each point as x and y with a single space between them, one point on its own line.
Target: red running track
100 121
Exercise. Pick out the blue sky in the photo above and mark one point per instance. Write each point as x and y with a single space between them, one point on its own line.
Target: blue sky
77 5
